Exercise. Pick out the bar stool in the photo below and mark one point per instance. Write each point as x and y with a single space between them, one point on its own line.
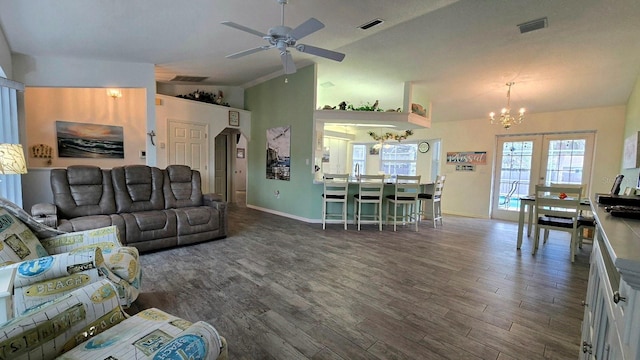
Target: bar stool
335 191
405 195
431 200
370 189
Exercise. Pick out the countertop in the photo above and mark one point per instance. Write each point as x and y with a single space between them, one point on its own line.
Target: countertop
622 238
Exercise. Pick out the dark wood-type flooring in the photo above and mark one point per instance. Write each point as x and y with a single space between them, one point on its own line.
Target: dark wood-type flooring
278 288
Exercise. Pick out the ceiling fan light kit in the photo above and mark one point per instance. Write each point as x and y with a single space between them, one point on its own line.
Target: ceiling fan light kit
282 37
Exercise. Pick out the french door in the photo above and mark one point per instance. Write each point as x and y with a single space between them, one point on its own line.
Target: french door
523 161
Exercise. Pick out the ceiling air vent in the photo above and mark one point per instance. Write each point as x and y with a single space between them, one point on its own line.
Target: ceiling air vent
371 24
187 78
533 25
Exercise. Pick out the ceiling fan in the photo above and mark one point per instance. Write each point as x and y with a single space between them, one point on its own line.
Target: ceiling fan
283 37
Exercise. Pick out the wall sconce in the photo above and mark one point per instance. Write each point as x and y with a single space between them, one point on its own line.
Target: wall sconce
114 93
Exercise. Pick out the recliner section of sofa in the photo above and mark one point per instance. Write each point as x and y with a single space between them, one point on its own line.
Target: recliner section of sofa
152 208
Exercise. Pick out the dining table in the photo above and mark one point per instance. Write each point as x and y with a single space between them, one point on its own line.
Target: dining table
527 203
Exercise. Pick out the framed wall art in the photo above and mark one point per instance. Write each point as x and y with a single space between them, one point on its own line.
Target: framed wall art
79 140
630 156
234 118
278 153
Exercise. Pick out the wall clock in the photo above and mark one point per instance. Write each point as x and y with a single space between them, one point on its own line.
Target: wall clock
423 147
234 118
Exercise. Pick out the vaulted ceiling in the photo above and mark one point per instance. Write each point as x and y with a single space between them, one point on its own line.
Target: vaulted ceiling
457 54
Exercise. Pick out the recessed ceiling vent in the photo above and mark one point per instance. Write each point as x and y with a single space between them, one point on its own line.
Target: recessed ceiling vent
371 24
533 25
187 78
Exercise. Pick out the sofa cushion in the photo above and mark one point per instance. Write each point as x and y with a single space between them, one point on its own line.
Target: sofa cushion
197 219
182 187
81 190
149 225
93 222
137 188
17 242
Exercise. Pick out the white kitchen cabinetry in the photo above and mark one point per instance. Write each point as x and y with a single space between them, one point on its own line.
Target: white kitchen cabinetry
611 324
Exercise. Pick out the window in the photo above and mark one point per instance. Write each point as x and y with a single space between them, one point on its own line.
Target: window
359 157
10 185
398 159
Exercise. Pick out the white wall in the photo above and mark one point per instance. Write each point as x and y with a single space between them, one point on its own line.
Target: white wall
45 106
469 193
88 73
217 117
6 68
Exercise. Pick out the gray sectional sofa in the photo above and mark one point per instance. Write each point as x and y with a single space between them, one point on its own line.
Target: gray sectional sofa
152 208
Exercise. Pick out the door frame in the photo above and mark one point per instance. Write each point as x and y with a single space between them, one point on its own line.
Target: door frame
538 164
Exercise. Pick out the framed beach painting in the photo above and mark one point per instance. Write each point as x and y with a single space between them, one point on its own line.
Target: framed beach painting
79 140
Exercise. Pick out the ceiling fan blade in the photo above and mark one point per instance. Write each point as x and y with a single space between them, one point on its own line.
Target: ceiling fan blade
287 62
308 27
248 52
243 28
329 54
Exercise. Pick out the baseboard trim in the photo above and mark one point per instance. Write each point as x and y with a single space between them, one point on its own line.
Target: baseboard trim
283 214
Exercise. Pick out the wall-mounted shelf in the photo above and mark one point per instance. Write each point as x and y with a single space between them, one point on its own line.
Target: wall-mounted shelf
401 120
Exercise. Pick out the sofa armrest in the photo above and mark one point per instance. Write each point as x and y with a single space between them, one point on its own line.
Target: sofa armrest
212 197
44 209
63 323
214 201
180 339
46 214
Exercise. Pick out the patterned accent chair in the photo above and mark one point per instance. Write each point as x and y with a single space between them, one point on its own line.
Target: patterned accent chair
89 323
49 264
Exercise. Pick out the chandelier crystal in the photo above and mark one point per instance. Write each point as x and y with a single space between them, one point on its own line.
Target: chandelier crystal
505 119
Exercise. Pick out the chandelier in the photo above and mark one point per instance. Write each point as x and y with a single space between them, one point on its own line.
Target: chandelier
505 119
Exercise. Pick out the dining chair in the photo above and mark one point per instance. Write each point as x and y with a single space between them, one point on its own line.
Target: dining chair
370 189
555 211
431 199
405 195
336 187
586 220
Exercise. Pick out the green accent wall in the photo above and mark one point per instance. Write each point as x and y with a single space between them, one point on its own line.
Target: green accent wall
632 124
276 103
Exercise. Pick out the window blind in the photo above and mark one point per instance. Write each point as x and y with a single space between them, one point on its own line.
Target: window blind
10 185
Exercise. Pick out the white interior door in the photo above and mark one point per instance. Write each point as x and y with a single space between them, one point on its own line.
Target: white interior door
528 160
189 145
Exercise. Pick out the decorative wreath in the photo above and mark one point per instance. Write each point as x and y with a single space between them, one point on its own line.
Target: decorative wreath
389 136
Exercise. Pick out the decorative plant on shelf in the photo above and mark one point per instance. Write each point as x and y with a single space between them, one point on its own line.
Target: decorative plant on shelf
367 107
390 136
207 97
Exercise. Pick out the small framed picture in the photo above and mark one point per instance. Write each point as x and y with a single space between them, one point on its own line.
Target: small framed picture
240 153
234 118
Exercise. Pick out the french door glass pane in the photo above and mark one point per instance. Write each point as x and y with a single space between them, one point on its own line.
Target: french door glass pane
515 173
565 161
